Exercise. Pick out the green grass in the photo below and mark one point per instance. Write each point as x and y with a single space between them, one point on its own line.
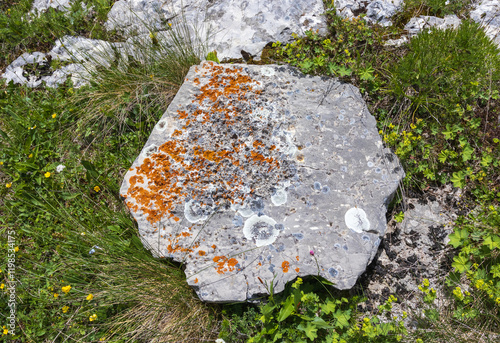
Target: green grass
436 102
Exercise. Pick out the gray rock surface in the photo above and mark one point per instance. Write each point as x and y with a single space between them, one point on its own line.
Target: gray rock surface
377 11
43 5
413 250
231 25
487 13
259 174
420 23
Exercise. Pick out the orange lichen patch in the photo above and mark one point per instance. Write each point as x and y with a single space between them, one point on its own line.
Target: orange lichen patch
205 151
285 265
196 280
214 246
201 252
224 264
297 269
297 258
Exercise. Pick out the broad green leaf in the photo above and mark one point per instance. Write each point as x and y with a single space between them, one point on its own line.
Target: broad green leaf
458 179
310 330
287 309
321 324
328 307
342 318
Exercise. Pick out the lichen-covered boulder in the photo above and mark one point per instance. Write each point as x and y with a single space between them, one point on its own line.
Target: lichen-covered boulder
258 174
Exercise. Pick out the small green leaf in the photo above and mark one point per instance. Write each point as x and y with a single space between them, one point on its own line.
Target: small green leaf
461 263
399 217
458 237
458 179
486 160
212 56
492 242
467 153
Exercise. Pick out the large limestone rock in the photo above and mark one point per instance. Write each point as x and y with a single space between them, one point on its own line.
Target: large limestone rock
230 26
259 174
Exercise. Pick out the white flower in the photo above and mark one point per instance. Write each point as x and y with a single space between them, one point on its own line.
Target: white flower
220 340
60 168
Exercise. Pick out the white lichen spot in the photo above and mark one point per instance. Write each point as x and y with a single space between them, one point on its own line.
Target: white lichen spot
243 210
194 212
266 71
162 125
148 151
261 229
356 220
280 197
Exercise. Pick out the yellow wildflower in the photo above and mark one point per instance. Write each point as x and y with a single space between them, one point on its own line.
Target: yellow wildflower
170 24
47 174
391 126
56 295
426 283
93 317
2 286
90 297
16 249
54 115
1 163
65 309
66 289
5 331
30 155
97 189
8 185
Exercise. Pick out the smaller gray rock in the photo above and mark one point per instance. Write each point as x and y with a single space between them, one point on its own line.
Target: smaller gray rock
15 72
420 23
43 5
377 11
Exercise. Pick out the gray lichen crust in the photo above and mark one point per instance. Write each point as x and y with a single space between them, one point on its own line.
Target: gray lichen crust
251 169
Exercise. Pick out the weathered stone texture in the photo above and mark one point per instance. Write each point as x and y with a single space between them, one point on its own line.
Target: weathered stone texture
251 169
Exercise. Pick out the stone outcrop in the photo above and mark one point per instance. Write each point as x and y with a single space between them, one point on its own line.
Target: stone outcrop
487 13
230 25
259 174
